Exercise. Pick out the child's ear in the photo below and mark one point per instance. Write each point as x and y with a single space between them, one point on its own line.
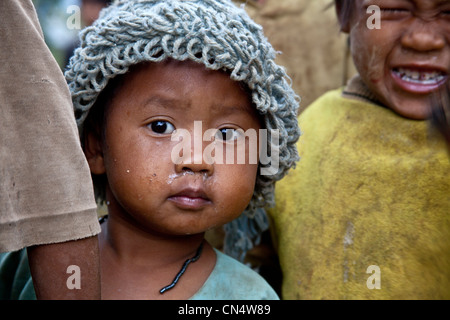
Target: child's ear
94 153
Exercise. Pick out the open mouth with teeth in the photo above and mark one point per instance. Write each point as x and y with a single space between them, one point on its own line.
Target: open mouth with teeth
420 77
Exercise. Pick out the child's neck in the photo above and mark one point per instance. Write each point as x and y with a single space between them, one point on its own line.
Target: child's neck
357 89
136 264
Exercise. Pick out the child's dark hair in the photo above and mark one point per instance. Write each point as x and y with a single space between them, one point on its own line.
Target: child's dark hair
344 9
95 124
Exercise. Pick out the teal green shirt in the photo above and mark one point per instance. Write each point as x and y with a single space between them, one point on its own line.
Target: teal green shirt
15 276
229 280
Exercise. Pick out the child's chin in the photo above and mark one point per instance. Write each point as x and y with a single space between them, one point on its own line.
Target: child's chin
415 108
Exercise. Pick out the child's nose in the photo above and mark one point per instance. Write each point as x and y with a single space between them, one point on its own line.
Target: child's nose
196 163
423 36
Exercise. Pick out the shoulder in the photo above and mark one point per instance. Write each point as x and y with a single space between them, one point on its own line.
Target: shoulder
327 97
329 127
15 276
232 280
332 104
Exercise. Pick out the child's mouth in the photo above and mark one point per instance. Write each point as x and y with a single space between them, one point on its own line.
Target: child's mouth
420 76
190 199
419 80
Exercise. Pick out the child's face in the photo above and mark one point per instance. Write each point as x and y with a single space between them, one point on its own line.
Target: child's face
144 182
408 57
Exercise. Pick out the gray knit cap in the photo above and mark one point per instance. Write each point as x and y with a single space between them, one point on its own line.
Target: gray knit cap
215 33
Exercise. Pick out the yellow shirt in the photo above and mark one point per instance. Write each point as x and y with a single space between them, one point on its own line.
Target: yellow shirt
366 213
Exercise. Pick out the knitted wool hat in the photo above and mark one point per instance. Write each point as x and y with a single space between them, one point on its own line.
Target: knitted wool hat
215 33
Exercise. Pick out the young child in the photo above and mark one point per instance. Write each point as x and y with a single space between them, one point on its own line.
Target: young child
365 215
145 72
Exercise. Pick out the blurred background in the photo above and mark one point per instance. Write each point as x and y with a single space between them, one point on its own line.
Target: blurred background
53 18
62 20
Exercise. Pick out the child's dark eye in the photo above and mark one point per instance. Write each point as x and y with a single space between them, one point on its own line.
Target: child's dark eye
161 127
393 12
228 134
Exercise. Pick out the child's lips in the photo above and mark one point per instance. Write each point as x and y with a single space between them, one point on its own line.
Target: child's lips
190 199
420 80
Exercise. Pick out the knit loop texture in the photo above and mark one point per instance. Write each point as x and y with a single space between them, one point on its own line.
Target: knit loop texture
217 34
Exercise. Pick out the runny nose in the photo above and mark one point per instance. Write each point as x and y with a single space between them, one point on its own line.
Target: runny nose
195 164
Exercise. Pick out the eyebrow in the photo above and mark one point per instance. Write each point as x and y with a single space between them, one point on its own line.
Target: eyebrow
174 103
233 109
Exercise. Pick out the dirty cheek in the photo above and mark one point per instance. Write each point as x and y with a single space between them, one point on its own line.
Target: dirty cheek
375 68
152 177
369 61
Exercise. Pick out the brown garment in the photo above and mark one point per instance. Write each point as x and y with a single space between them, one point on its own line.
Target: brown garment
46 193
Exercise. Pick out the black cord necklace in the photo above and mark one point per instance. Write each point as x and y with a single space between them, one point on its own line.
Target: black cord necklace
183 268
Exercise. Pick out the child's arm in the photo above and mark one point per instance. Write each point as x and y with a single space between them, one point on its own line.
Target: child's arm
45 191
49 269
